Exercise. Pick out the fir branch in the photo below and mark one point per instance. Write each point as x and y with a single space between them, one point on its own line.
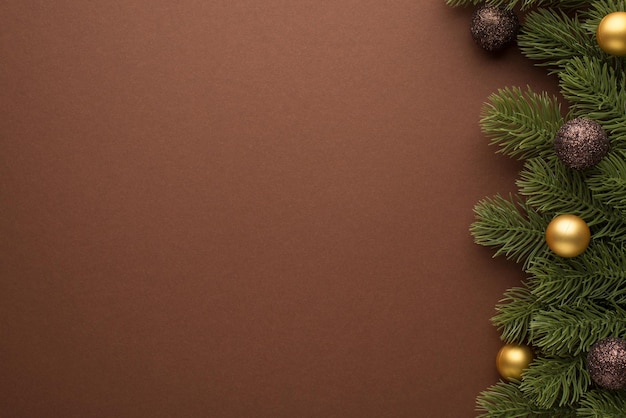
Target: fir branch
511 226
514 314
523 4
505 400
551 187
595 90
608 184
603 404
553 38
570 331
523 124
599 9
597 274
555 382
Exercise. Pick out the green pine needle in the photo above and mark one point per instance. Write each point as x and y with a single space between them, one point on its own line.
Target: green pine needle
570 331
599 9
505 400
514 314
511 226
551 187
609 185
603 404
553 37
599 274
523 124
597 91
555 382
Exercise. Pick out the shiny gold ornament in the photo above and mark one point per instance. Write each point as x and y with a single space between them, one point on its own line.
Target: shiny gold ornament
568 236
611 33
512 360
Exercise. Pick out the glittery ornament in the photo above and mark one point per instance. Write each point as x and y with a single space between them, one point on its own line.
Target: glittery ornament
568 236
611 33
493 28
581 143
606 363
512 360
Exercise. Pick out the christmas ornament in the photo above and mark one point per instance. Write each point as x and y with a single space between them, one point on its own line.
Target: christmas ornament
581 143
611 33
493 28
606 363
512 360
568 236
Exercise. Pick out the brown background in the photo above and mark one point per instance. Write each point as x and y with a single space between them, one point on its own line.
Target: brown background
243 208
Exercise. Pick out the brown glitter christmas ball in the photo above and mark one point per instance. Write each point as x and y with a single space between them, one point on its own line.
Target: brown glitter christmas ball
493 28
606 363
581 143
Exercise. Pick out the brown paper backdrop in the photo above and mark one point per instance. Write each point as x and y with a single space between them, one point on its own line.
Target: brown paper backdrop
239 208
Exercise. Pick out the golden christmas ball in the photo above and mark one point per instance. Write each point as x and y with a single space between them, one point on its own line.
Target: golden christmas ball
611 33
512 360
568 236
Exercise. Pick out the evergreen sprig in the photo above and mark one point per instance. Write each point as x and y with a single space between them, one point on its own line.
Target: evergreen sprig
551 187
609 185
514 315
569 331
555 382
553 38
602 404
511 226
506 400
596 90
599 9
599 274
523 124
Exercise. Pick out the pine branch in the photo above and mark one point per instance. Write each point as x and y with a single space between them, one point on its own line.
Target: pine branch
597 274
570 331
514 314
511 226
523 124
551 187
595 90
599 9
523 4
505 400
555 382
603 404
553 38
608 185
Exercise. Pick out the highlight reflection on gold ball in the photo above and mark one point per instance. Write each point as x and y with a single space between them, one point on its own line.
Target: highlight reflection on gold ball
568 236
512 360
611 33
